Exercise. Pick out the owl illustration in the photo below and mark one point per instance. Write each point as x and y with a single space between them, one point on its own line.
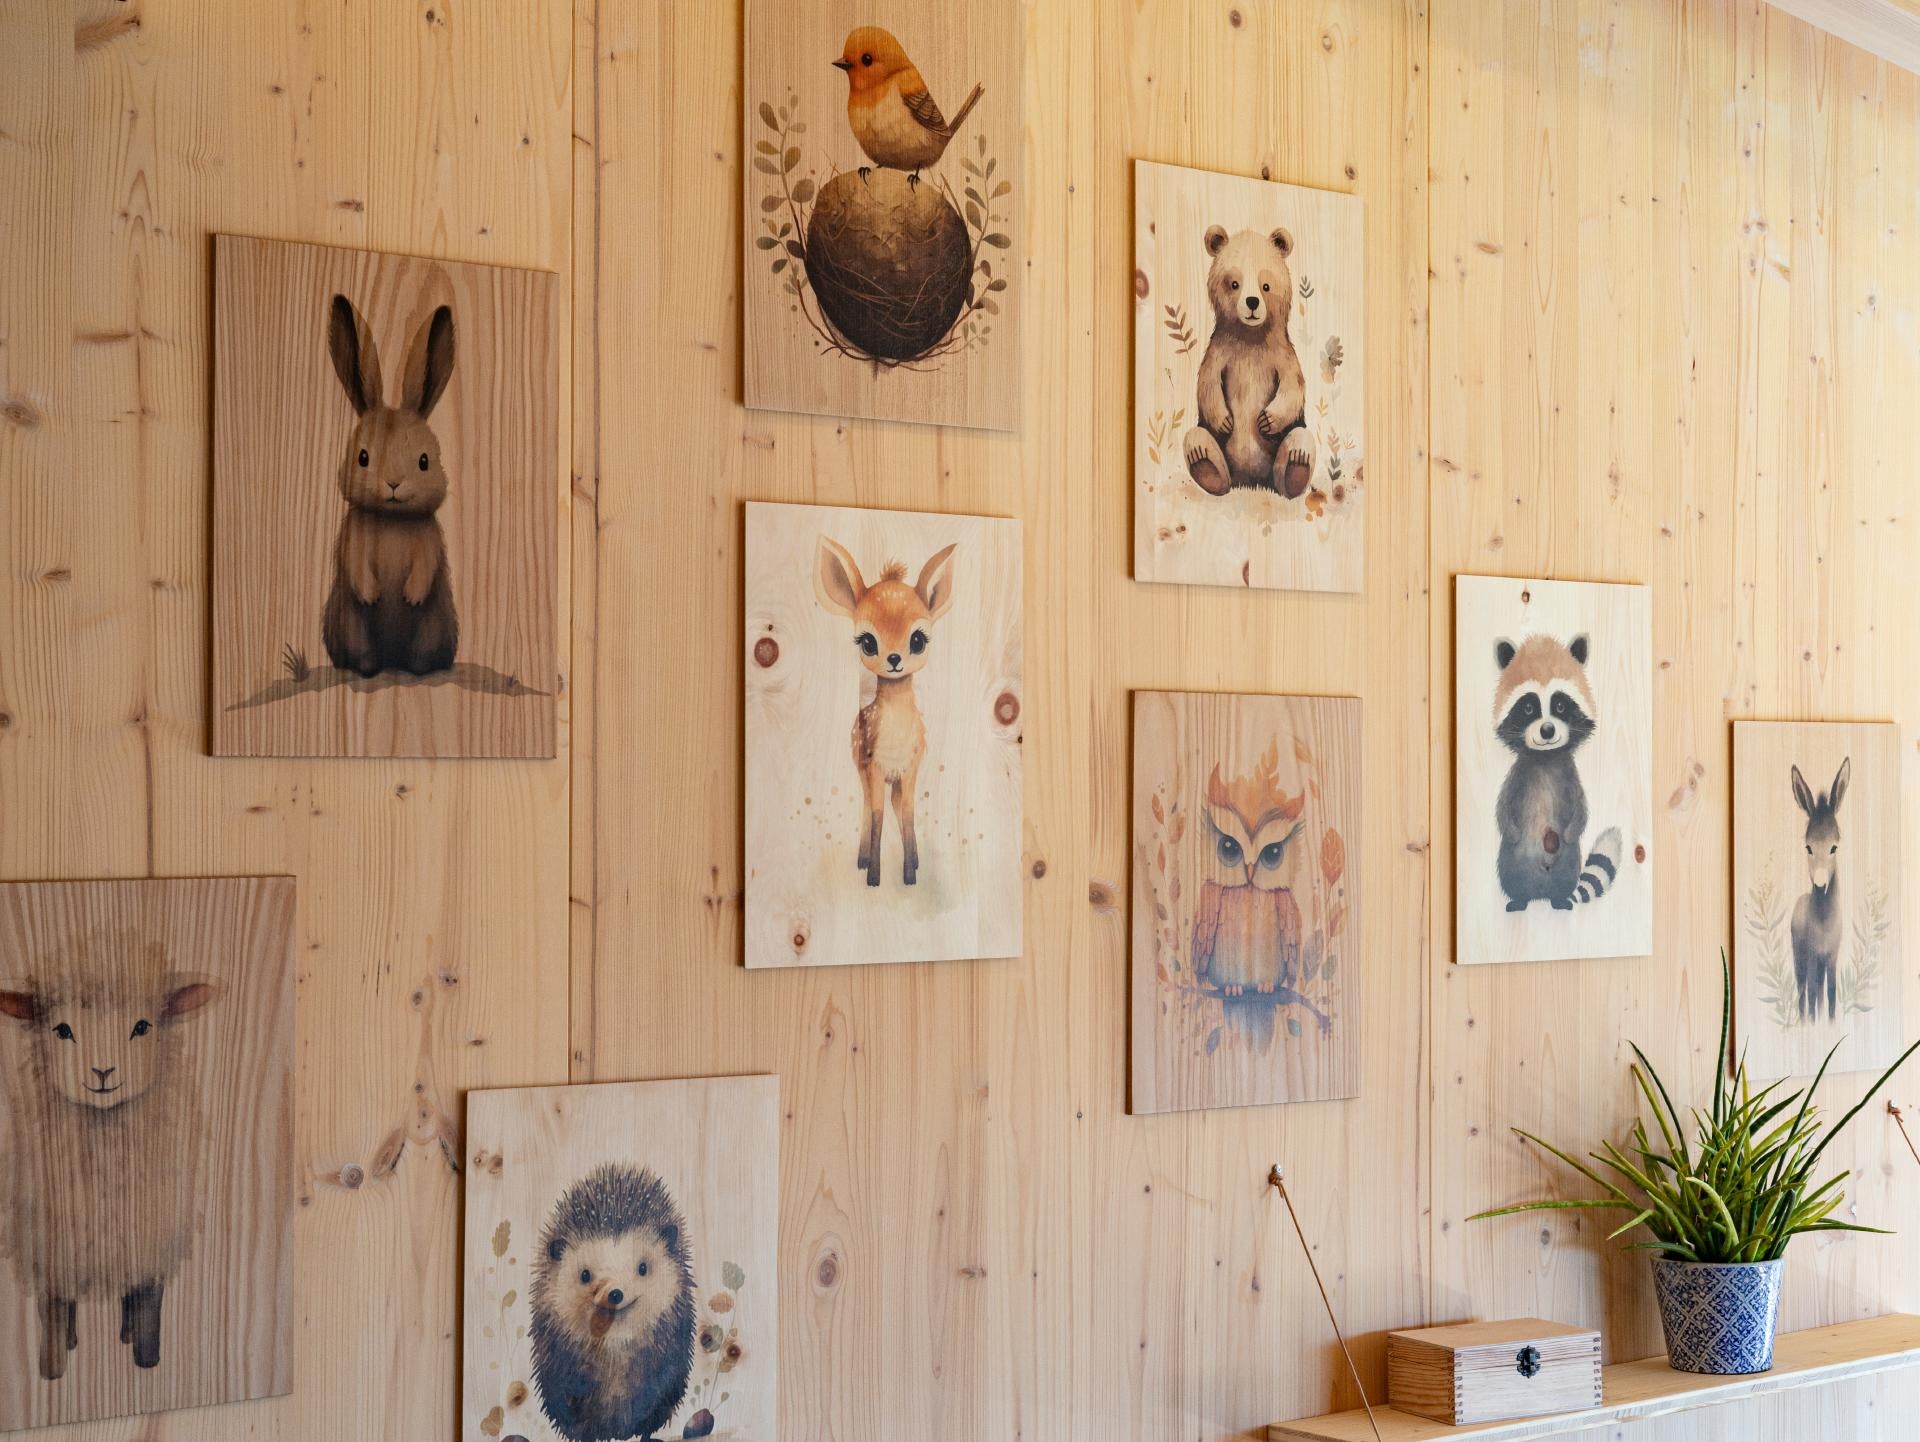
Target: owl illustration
1247 929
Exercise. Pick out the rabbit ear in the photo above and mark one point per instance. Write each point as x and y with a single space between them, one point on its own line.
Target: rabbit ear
429 362
355 360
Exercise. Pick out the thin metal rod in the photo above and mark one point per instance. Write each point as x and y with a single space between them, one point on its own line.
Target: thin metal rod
1277 1180
1901 1122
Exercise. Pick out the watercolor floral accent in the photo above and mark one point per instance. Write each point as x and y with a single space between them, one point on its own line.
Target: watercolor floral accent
719 1353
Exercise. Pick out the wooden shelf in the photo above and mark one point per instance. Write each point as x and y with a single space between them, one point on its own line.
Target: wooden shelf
1652 1389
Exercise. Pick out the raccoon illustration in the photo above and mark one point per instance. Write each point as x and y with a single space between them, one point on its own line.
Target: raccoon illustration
1544 711
613 1307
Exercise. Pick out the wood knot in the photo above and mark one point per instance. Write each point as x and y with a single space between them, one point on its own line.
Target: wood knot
1101 895
1140 286
799 938
1640 855
1235 19
766 651
6 720
1006 708
1039 868
826 1272
352 1176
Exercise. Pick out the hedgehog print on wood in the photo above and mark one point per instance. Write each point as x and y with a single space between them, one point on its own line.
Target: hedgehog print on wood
613 1307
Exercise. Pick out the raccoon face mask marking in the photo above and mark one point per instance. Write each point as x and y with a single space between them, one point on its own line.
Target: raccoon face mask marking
1550 720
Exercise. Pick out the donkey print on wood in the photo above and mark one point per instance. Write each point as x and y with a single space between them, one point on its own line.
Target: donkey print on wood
1246 901
1816 888
1553 778
388 486
146 1127
1249 350
620 1278
885 261
883 733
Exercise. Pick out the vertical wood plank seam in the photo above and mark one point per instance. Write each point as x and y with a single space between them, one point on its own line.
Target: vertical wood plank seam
1424 1130
583 971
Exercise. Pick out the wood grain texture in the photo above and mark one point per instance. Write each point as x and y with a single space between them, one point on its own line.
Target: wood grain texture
878 342
1671 276
172 1003
1786 1017
1249 920
432 925
810 900
1887 28
1517 895
1474 1373
715 1146
1814 1384
1307 534
285 434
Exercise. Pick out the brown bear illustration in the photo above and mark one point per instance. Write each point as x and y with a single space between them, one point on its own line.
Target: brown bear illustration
1252 392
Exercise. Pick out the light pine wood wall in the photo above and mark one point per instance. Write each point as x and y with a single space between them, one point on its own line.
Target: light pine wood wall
1644 280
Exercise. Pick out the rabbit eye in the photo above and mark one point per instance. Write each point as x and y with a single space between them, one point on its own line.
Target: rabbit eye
423 460
142 1027
363 458
64 1032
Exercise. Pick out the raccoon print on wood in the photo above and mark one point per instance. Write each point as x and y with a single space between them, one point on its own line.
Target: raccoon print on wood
1553 769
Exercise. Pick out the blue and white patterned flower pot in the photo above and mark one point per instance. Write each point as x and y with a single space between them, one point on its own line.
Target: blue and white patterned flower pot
1719 1316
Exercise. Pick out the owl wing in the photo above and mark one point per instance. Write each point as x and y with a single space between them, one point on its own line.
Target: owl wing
1287 913
1206 927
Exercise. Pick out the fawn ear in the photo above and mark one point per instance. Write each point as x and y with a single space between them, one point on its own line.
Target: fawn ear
429 362
1840 780
936 582
1216 239
20 1005
355 360
186 996
1802 793
836 578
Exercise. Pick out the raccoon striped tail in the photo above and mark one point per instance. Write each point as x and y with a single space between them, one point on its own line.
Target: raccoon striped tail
1603 864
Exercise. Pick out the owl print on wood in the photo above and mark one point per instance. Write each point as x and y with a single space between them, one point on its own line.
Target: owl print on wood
1246 932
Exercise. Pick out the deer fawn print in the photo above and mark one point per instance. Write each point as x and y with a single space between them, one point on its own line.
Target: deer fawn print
892 631
1817 925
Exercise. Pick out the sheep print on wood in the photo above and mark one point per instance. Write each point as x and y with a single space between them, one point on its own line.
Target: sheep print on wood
1249 371
387 495
146 1122
620 1278
1246 900
883 736
886 254
1553 770
1816 894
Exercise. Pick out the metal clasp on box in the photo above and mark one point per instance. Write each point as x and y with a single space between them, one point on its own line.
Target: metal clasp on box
1527 1362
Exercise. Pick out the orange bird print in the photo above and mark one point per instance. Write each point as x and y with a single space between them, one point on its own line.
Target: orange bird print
1246 928
889 109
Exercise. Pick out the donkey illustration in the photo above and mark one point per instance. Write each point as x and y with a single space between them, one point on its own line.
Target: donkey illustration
1817 924
892 629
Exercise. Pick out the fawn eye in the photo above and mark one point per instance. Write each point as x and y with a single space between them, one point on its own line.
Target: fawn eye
142 1027
585 1276
917 642
868 644
423 460
64 1032
363 458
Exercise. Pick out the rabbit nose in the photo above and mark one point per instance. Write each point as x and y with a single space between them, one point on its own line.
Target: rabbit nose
103 1072
393 485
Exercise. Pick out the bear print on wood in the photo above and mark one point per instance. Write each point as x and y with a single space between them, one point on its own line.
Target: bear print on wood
885 253
1249 346
620 1275
1247 936
883 736
1816 895
388 487
146 1130
1553 770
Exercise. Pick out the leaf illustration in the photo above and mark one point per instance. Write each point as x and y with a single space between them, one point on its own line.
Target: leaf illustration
1178 829
1333 856
1213 1040
998 240
1293 1026
766 114
803 191
1158 813
732 1276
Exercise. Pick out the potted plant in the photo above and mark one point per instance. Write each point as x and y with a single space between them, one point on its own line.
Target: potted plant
1722 1210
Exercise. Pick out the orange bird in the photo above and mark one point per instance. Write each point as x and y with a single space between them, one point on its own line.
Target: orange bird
888 107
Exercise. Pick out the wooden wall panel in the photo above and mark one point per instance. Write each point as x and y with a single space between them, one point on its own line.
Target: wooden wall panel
1674 297
431 932
1669 254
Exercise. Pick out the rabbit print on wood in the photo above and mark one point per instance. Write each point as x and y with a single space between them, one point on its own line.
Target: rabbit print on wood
391 605
389 481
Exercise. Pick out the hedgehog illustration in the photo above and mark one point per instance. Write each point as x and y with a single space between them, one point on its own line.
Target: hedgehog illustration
613 1307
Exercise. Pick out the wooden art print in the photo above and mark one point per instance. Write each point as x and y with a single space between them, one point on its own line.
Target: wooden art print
620 1277
1816 884
146 1126
1553 770
1246 901
883 735
387 493
1249 316
884 257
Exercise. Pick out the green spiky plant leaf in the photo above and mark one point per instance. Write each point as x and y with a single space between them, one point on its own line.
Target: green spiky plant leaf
1742 1190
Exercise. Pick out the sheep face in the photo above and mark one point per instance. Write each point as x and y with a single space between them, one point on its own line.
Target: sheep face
101 1052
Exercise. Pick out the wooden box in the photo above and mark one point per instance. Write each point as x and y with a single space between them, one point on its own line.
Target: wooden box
1491 1371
